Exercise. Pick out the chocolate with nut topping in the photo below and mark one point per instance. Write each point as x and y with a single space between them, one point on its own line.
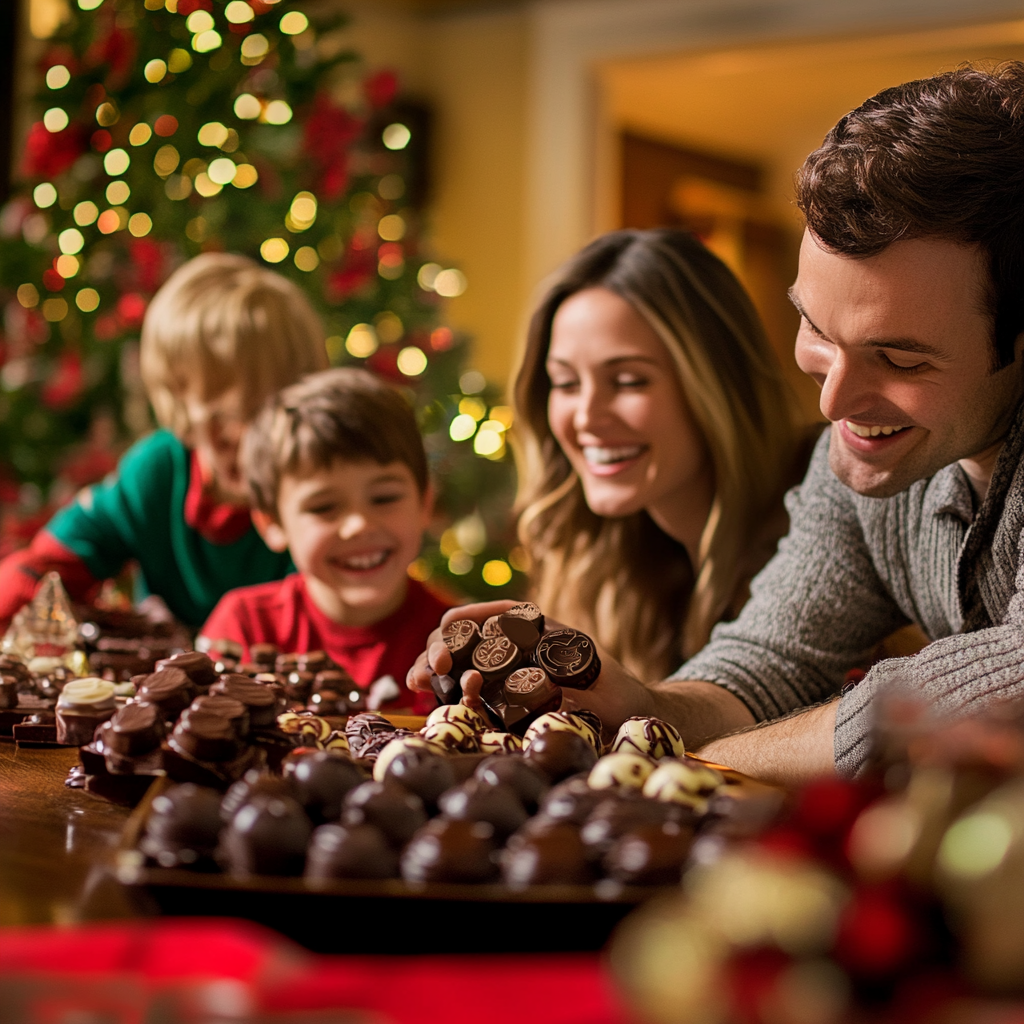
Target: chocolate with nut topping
569 658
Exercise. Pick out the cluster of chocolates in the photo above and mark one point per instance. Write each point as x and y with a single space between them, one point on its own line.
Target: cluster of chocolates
195 721
120 643
523 667
449 804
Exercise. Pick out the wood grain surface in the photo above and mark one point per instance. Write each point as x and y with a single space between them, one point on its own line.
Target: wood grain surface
54 842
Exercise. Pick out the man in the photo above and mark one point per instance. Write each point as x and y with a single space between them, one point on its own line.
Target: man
911 296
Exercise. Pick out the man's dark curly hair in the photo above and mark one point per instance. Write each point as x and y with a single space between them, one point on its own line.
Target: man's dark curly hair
940 157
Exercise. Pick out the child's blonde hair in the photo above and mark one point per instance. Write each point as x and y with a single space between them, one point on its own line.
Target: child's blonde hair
221 320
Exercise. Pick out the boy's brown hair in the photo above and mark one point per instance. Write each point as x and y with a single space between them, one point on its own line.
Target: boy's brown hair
338 414
941 157
220 320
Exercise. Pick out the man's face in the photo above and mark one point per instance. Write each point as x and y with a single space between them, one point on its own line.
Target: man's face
900 345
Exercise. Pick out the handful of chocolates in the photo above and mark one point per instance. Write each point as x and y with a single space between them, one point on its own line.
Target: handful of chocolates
523 667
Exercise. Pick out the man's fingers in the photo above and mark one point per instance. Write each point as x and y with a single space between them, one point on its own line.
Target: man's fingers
418 677
472 683
439 658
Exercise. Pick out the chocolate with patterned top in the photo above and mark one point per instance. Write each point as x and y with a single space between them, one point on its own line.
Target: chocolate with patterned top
496 657
461 638
569 658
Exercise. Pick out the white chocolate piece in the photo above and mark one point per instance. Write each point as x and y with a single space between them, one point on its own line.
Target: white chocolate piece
399 746
89 694
677 782
563 721
620 770
458 713
649 736
494 742
452 736
337 740
295 724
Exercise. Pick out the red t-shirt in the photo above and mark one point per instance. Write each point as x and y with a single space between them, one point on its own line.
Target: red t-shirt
284 614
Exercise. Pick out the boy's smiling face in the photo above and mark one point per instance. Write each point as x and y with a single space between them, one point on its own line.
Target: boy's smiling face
352 529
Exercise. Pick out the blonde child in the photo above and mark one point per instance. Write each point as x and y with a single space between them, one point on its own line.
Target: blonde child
338 477
221 335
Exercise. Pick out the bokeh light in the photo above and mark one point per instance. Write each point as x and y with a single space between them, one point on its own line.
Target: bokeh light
238 12
213 133
58 76
85 213
293 23
412 361
450 283
28 295
391 187
274 250
222 170
472 382
247 107
396 136
391 228
166 160
116 162
361 341
118 193
54 310
55 119
206 42
199 21
496 573
460 563
44 195
88 300
277 112
179 61
975 845
427 275
245 176
206 186
307 259
155 71
255 47
140 134
462 427
389 326
70 241
67 266
140 224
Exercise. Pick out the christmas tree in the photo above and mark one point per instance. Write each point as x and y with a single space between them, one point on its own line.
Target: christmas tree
171 127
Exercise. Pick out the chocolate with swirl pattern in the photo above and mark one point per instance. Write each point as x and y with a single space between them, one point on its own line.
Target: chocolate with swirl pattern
461 637
569 658
495 657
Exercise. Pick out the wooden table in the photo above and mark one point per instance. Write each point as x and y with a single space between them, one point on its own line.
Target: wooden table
54 842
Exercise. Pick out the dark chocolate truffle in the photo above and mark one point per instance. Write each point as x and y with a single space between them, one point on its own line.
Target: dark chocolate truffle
205 736
265 701
495 657
514 770
322 781
616 816
350 851
253 783
183 826
424 773
364 731
652 854
476 800
197 666
268 836
554 855
572 800
523 633
171 689
388 806
227 707
569 658
135 729
264 654
561 754
451 851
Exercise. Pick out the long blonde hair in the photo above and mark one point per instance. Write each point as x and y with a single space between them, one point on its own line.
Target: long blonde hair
624 580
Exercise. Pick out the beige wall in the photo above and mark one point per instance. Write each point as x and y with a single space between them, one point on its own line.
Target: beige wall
472 69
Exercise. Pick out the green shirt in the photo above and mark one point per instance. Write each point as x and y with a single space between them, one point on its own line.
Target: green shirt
138 513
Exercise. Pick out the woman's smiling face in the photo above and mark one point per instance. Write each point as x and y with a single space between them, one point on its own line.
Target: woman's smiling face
617 409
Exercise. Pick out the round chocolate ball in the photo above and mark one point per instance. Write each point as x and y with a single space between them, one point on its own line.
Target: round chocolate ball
553 855
495 803
387 805
183 826
253 783
572 800
422 772
561 754
350 851
268 836
514 770
322 781
451 851
615 816
651 854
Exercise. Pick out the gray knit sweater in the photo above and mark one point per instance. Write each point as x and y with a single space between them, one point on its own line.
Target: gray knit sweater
852 570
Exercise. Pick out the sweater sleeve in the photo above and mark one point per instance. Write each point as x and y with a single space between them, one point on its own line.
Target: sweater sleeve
816 610
965 672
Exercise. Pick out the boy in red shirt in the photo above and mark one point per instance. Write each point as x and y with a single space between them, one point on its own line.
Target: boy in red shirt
338 477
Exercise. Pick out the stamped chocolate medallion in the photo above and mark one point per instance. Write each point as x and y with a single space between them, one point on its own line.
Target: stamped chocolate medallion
569 658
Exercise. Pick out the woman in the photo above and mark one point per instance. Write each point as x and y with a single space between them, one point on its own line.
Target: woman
656 440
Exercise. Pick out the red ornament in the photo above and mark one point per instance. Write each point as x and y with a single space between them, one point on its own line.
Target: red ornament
52 281
47 154
131 308
186 7
828 808
148 264
101 140
117 49
441 339
385 362
165 125
107 327
380 89
65 384
877 934
328 132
